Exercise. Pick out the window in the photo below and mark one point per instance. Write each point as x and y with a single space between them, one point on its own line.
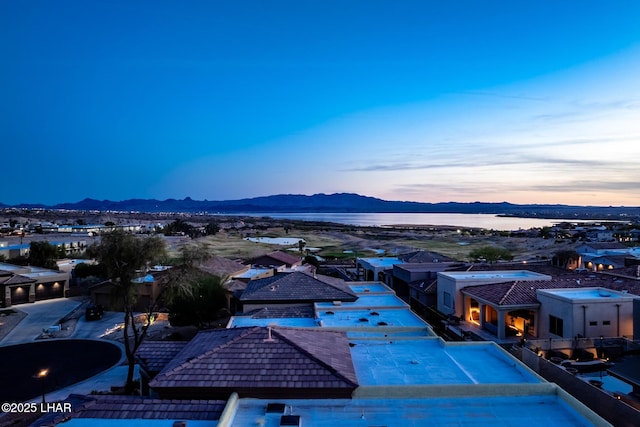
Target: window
555 325
593 323
447 299
606 322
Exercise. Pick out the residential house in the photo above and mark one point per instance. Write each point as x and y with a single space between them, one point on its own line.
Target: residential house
277 260
260 362
412 281
376 269
293 289
450 298
381 268
23 284
230 271
586 312
148 289
598 256
600 234
514 307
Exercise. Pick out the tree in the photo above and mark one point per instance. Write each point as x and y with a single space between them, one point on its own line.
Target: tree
206 296
490 254
84 270
122 255
312 260
202 305
211 228
178 227
43 254
545 232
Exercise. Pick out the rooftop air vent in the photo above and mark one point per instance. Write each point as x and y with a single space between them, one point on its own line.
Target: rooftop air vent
290 420
269 336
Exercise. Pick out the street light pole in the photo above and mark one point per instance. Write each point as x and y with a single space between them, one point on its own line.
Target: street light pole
42 375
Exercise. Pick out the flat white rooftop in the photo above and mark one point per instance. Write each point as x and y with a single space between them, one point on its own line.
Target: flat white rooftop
500 275
10 267
365 301
369 287
586 294
386 262
395 362
542 409
425 332
369 318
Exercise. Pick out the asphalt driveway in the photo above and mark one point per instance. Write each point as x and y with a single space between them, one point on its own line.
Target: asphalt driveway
92 329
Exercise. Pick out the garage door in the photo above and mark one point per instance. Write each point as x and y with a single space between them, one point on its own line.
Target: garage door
19 295
49 291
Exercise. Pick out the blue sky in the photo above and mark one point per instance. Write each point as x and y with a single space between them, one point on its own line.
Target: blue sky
525 102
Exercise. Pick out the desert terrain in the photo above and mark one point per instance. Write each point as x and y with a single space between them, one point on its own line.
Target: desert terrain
326 240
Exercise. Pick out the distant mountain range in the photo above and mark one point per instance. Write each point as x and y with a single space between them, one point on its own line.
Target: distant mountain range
340 202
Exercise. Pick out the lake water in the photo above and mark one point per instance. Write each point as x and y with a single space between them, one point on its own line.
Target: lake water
487 221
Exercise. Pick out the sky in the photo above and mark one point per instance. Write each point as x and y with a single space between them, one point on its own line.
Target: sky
429 101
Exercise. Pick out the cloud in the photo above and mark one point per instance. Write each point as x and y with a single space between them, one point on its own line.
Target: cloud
580 185
483 160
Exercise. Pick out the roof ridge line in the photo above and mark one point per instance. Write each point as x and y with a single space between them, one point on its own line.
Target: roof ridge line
506 294
315 358
333 285
184 364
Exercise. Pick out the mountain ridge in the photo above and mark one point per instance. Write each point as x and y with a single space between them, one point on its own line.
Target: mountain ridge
336 202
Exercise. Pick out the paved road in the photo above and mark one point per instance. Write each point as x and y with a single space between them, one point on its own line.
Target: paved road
40 315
